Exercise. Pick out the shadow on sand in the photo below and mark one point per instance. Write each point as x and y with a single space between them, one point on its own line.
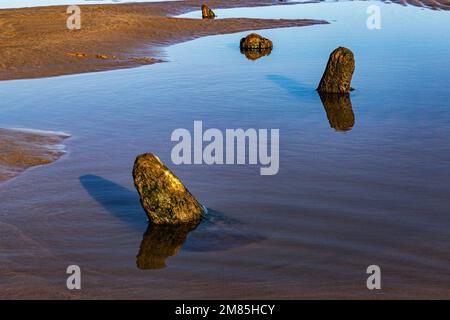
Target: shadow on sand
215 233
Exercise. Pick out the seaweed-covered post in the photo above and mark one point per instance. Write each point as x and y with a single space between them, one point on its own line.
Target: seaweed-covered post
339 72
164 198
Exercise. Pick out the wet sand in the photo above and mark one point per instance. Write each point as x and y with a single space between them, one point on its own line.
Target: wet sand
430 4
22 149
35 42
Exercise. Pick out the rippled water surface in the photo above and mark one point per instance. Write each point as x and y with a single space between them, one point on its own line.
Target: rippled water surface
367 185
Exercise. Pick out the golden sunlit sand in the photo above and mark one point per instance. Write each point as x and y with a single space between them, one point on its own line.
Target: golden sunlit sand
35 42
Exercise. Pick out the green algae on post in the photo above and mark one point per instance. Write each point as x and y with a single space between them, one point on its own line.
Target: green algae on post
339 72
164 198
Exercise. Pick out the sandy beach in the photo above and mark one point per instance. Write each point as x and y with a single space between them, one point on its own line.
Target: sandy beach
35 42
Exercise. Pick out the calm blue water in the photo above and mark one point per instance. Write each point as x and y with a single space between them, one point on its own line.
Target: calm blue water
343 200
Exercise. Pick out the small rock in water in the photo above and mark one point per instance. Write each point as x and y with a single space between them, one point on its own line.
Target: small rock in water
164 198
255 42
338 73
207 13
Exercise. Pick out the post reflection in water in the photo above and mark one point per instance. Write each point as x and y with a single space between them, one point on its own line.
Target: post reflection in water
161 242
339 110
216 232
254 54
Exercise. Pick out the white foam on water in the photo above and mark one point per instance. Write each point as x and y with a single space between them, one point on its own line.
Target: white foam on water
43 132
56 147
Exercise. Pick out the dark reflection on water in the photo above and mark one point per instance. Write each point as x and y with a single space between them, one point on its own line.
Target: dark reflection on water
339 110
255 54
216 232
337 106
161 242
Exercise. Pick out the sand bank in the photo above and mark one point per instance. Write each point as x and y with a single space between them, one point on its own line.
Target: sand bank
35 42
430 4
21 149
